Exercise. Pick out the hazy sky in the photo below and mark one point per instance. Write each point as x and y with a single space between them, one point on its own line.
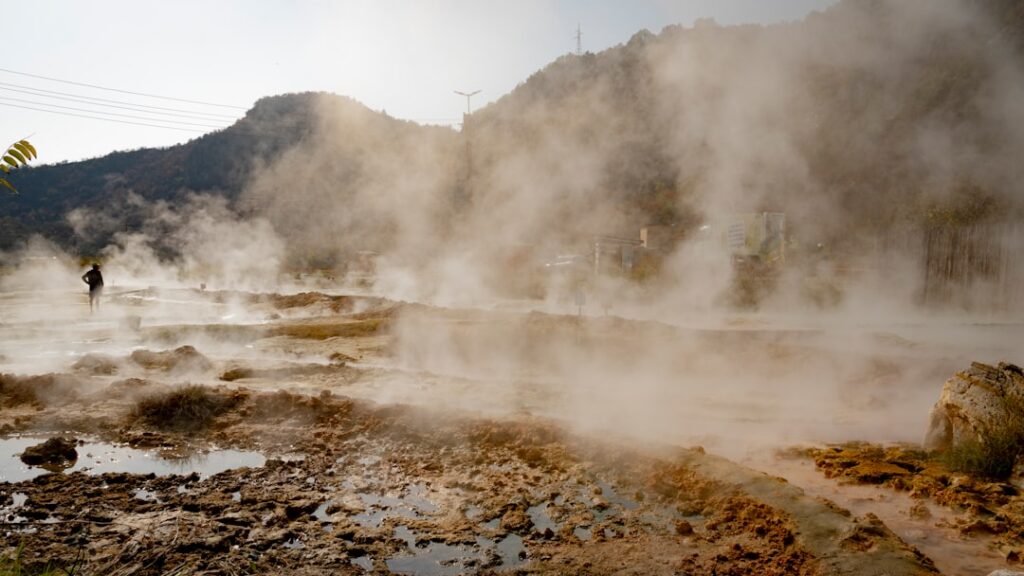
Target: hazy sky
405 57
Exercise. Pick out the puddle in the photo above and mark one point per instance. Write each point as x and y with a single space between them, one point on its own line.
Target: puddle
417 497
412 507
611 496
439 559
321 513
145 495
474 512
541 519
99 458
583 533
9 513
364 562
512 551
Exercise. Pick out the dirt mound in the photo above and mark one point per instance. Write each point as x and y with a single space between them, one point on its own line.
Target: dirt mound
340 304
284 406
55 453
96 364
183 359
242 372
37 390
190 409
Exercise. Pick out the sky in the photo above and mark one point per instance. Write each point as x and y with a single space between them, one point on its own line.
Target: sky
404 57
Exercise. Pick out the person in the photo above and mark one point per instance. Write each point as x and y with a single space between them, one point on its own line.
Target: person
95 281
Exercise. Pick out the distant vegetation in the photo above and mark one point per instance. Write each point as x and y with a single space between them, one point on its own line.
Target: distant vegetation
788 117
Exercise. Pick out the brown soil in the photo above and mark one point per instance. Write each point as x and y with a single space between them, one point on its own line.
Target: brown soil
991 507
644 513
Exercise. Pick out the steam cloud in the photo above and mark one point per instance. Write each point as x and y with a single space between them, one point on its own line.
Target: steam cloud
862 124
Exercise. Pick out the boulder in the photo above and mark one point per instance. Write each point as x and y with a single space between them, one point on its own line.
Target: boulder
974 401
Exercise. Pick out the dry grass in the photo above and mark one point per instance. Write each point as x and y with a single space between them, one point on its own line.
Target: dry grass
37 390
323 331
16 390
994 453
187 409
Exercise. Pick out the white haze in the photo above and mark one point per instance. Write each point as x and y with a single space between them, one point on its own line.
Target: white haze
741 123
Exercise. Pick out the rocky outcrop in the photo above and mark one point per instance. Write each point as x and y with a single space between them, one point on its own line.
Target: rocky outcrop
975 401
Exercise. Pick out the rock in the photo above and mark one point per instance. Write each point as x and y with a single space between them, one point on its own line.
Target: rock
57 452
1006 573
975 400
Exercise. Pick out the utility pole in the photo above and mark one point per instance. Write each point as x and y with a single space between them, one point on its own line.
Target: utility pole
579 39
468 95
461 199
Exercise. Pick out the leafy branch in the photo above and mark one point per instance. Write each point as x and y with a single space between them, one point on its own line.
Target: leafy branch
16 156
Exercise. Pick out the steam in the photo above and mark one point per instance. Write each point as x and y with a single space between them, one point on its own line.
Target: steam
827 121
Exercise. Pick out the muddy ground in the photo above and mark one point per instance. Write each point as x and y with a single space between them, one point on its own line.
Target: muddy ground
988 509
387 438
352 487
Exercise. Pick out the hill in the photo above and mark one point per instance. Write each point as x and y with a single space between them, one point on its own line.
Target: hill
869 117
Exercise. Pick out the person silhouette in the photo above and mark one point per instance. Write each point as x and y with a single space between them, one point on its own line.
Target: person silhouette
95 281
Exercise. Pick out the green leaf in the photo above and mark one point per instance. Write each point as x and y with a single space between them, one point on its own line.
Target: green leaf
11 161
5 169
14 152
26 150
8 185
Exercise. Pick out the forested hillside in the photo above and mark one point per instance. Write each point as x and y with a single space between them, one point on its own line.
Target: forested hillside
870 116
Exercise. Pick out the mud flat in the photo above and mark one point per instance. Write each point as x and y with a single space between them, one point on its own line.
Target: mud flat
351 487
230 433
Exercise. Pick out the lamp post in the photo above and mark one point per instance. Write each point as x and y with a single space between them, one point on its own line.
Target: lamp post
468 95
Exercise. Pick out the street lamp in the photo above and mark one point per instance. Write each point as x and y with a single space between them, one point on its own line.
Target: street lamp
468 95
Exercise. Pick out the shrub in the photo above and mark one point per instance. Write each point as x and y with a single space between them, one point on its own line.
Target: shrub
994 453
189 408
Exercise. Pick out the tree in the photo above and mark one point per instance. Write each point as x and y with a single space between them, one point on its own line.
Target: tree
16 156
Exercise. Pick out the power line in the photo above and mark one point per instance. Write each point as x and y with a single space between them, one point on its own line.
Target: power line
121 91
132 109
111 113
44 92
104 119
